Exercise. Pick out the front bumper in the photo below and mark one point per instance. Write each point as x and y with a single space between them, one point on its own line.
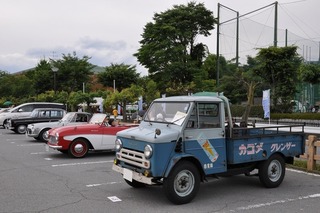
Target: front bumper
135 175
54 146
32 133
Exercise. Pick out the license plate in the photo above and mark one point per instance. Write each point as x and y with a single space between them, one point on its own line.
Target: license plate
127 174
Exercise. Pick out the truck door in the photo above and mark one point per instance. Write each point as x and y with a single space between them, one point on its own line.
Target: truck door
204 136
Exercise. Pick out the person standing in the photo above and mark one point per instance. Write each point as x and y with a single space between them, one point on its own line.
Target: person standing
115 112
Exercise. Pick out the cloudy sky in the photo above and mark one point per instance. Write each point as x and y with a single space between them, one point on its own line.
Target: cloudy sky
109 31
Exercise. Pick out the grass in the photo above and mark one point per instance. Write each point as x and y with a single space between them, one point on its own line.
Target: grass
302 165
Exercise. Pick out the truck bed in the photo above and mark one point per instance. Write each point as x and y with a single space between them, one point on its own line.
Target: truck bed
254 144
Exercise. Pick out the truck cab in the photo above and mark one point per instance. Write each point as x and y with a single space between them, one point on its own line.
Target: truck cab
183 140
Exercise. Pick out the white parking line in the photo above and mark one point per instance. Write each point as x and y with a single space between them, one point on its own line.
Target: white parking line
100 184
302 172
38 153
261 205
83 163
30 145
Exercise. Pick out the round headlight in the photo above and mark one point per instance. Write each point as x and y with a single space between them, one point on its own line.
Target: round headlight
148 151
118 145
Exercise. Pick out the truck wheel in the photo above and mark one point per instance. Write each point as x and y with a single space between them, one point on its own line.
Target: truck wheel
21 129
183 183
135 184
78 148
272 171
43 135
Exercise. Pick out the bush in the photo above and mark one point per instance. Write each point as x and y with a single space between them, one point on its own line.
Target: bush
257 112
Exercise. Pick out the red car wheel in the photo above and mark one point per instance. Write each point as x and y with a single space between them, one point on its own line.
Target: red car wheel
78 148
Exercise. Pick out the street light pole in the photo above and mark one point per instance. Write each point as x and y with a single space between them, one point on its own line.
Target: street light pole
54 70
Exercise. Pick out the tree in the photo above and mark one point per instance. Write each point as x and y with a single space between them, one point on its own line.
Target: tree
72 72
278 66
126 96
120 74
151 92
310 73
18 86
169 50
210 67
42 77
76 98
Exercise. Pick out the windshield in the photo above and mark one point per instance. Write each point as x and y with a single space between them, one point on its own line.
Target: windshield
97 118
69 117
167 112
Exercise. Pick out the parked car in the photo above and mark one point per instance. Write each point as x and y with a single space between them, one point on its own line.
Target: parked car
39 131
25 109
78 140
2 110
19 125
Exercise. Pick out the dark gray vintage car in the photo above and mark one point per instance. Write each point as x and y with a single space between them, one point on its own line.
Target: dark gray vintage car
19 125
39 130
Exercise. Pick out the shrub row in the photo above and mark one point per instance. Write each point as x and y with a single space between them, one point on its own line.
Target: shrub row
257 112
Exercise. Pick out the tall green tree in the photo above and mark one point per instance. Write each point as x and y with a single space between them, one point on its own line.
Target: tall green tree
169 48
279 66
72 72
42 77
121 75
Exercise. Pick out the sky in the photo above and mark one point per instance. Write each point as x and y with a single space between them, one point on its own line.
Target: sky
109 31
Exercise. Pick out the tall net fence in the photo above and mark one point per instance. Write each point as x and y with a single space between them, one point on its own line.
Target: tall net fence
256 30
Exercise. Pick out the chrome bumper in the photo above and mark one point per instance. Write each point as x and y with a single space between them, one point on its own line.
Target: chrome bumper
54 146
135 175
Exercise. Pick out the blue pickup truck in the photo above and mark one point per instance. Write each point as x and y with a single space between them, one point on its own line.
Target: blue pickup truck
184 140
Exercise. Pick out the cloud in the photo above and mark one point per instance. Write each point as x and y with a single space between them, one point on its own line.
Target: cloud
98 44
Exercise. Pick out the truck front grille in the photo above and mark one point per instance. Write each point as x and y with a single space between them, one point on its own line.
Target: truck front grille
133 158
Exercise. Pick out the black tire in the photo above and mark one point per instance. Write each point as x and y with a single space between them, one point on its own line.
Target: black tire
43 136
63 151
183 183
272 171
135 184
21 129
5 123
78 148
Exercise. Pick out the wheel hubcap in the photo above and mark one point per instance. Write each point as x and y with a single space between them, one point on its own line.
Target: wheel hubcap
184 183
78 148
22 129
274 171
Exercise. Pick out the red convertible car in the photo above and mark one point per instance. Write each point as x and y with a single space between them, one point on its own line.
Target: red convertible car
78 140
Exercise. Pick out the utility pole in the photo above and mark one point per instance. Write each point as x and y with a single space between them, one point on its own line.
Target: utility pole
275 39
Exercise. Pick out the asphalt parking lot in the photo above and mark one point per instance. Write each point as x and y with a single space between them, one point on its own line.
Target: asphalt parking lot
33 179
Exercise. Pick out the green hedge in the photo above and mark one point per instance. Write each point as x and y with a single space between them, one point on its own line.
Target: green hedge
238 110
257 112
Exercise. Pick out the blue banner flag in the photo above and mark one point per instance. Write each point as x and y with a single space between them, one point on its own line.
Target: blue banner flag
266 103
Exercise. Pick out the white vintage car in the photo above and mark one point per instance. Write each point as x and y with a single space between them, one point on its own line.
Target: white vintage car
39 130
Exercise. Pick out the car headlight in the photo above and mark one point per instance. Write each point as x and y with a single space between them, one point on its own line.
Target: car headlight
148 151
56 136
31 126
118 145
